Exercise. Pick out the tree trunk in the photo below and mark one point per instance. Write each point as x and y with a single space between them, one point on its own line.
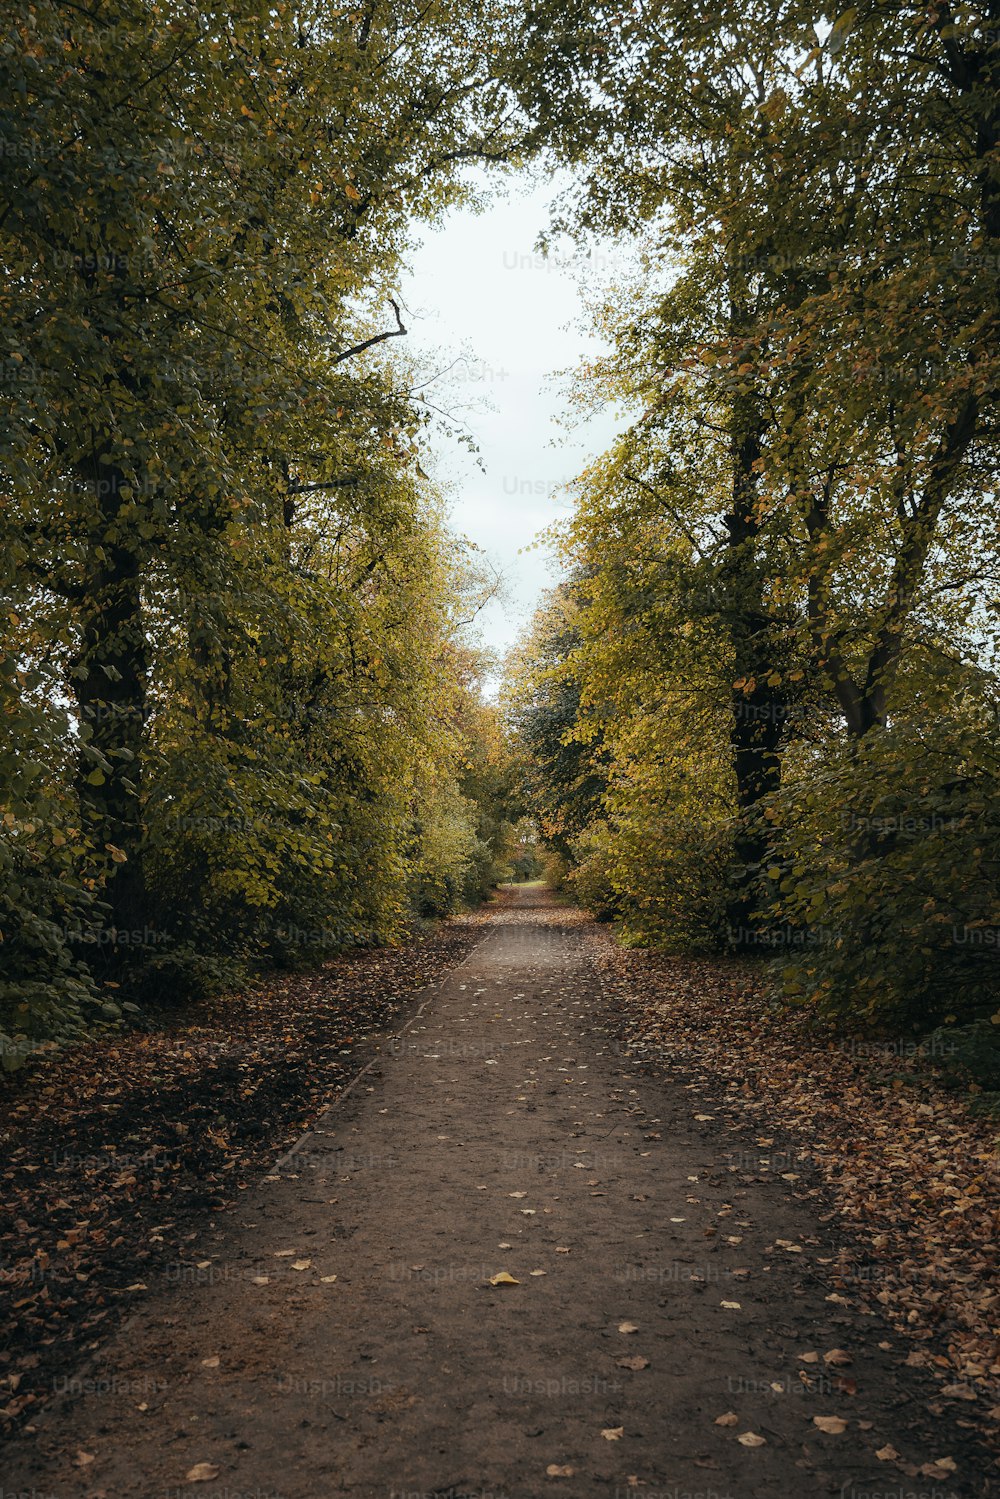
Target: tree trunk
758 712
108 680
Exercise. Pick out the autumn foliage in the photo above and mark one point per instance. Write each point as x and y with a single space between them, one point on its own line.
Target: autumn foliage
761 712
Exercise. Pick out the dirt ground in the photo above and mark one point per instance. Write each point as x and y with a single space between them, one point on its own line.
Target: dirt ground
341 1330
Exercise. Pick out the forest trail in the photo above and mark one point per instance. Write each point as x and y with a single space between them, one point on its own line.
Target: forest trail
504 1130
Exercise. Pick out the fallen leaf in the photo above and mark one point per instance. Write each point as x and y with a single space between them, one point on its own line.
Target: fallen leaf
730 1418
635 1362
751 1439
613 1433
941 1467
837 1357
555 1471
202 1473
503 1279
731 1306
328 1279
82 1459
628 1327
832 1425
302 1265
210 1363
887 1454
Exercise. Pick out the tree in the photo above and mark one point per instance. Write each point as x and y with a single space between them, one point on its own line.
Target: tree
214 518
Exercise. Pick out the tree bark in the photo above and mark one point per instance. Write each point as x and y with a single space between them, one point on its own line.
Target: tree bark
109 679
759 712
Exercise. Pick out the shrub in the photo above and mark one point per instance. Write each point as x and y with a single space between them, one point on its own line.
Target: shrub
886 868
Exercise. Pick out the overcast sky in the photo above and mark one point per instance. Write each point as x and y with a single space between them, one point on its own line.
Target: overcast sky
479 293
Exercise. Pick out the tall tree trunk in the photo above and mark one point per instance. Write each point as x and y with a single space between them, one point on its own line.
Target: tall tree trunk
758 711
109 679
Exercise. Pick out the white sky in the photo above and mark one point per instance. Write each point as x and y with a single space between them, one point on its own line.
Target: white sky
480 294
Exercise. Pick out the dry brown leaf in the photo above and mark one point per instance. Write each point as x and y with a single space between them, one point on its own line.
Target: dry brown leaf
832 1425
887 1454
555 1471
941 1467
628 1327
613 1433
202 1473
503 1279
751 1439
635 1362
837 1357
730 1418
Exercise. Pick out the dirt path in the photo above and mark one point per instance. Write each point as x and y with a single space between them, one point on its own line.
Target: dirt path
338 1335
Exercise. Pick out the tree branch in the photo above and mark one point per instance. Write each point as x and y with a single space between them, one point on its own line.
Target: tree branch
379 338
